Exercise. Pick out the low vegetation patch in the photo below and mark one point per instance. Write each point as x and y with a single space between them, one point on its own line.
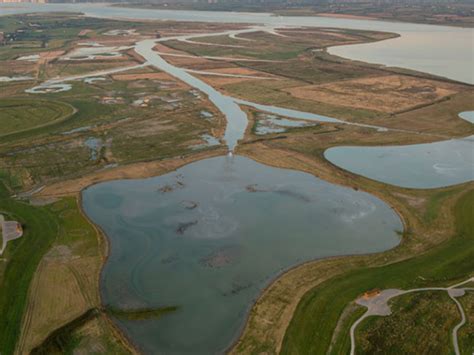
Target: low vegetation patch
141 313
22 257
420 323
17 115
62 339
466 333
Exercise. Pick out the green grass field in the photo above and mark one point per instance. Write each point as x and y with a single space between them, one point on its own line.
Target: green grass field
21 115
318 312
466 333
22 258
60 224
420 323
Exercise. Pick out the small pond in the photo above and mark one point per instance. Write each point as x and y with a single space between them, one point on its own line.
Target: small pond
468 116
429 165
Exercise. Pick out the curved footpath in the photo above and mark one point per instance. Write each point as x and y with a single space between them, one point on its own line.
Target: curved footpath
378 306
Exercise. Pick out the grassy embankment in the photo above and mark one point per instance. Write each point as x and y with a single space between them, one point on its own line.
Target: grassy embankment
64 307
20 261
49 277
68 337
313 324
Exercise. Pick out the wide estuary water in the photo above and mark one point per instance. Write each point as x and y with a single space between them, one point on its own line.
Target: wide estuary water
208 237
441 50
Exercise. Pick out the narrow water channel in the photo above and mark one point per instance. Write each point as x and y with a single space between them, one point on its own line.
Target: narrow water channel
236 118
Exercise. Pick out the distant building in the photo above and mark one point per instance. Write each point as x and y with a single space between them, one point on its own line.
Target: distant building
371 293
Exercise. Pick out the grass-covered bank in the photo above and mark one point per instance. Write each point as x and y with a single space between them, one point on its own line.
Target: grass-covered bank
63 312
62 339
313 323
21 115
49 279
19 264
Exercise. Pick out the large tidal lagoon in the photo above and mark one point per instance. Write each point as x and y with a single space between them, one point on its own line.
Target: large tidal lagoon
210 236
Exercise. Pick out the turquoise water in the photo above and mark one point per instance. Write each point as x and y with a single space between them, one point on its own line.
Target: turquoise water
468 116
421 166
208 237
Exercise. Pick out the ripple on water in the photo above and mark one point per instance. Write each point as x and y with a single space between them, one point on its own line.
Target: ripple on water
211 257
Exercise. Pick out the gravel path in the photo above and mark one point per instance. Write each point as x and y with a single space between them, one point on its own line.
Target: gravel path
378 306
9 232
